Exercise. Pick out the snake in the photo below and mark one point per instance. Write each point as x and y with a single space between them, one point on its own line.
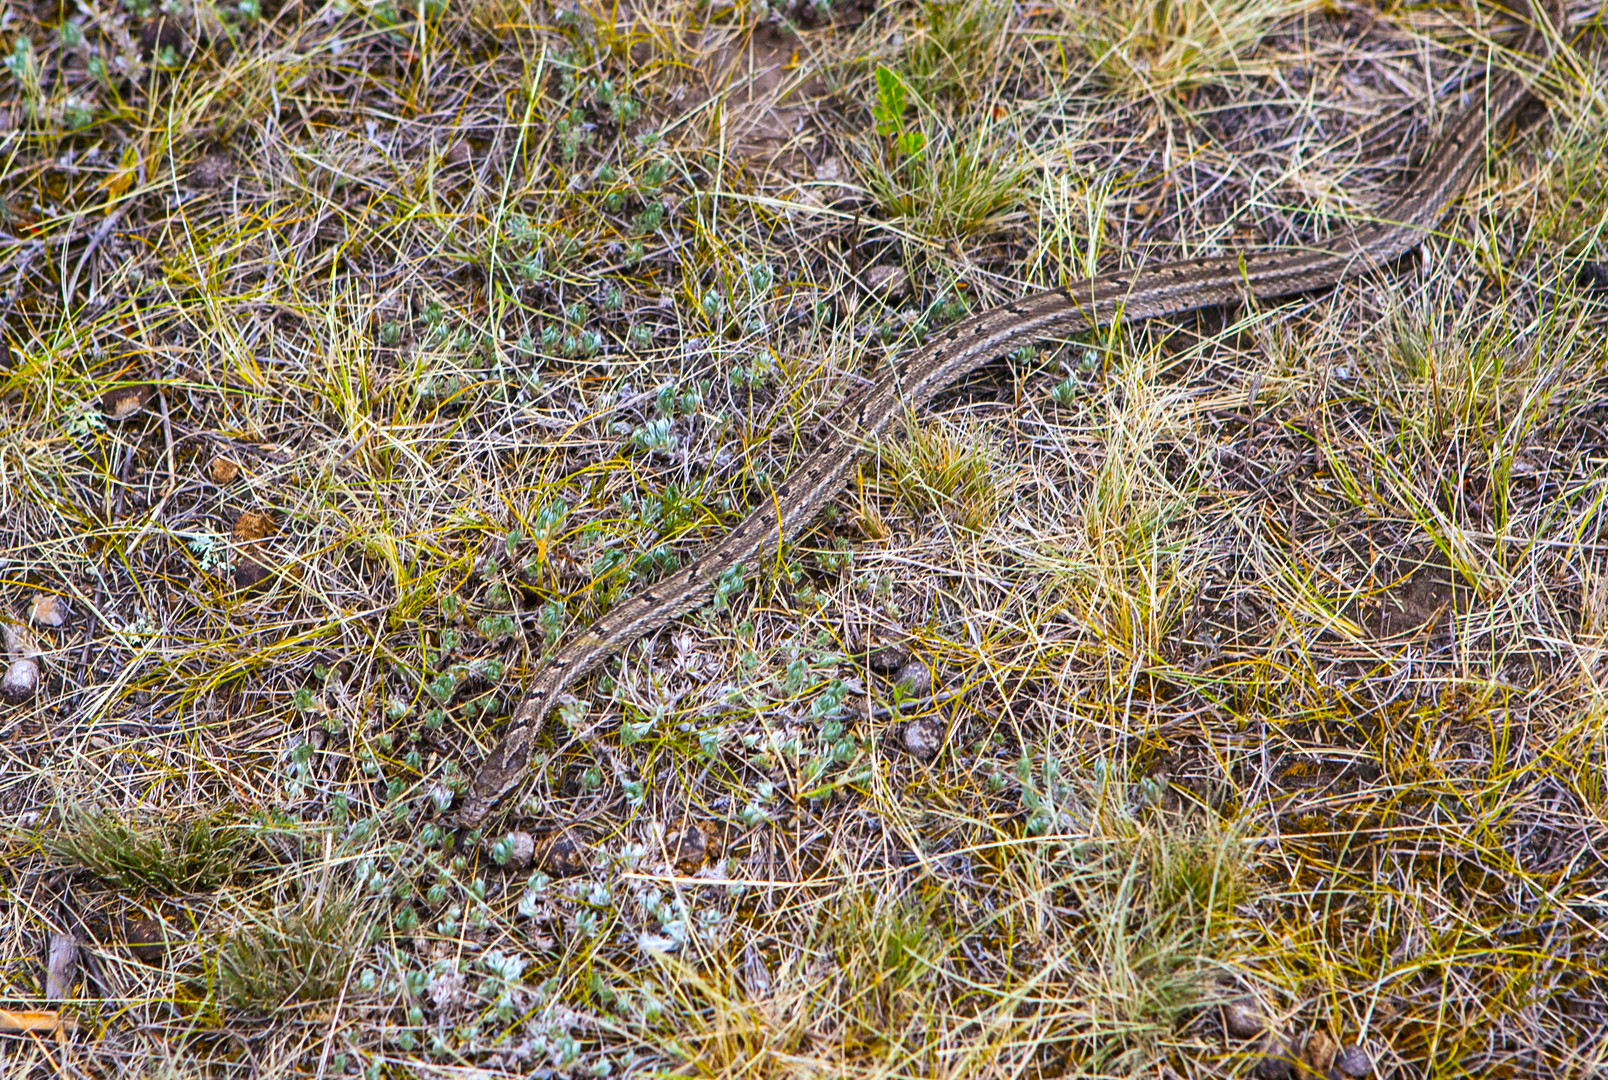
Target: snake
868 412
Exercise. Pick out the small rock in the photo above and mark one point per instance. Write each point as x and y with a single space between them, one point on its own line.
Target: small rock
212 170
888 657
1276 1060
47 609
121 402
1354 1061
915 678
223 470
924 737
1242 1021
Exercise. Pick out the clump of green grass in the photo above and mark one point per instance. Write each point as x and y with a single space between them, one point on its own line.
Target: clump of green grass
952 47
950 471
135 854
298 953
1147 47
944 176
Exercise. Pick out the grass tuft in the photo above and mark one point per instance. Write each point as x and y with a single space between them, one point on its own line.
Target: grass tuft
136 853
297 954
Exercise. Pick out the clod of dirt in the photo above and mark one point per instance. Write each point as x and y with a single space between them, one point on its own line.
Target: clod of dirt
47 609
121 402
1354 1062
146 938
924 737
212 170
915 678
252 525
1318 1052
1242 1021
223 470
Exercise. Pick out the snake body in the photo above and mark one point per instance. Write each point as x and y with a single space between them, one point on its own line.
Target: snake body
869 412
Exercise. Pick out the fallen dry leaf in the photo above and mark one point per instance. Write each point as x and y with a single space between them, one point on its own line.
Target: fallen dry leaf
39 1020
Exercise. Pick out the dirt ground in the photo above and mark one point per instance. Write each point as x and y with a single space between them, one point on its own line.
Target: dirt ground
1220 695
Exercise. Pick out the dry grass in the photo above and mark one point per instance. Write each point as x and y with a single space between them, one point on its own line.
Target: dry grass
358 354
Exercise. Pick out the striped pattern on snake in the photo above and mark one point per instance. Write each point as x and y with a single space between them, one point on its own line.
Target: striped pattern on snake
868 413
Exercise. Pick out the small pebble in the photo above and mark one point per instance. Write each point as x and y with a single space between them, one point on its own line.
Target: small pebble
21 681
1242 1021
924 736
1354 1061
915 678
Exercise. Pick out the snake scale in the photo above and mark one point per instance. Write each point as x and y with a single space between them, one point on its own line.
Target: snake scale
869 412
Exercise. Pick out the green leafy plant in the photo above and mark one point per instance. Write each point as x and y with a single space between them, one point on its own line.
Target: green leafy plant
888 111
